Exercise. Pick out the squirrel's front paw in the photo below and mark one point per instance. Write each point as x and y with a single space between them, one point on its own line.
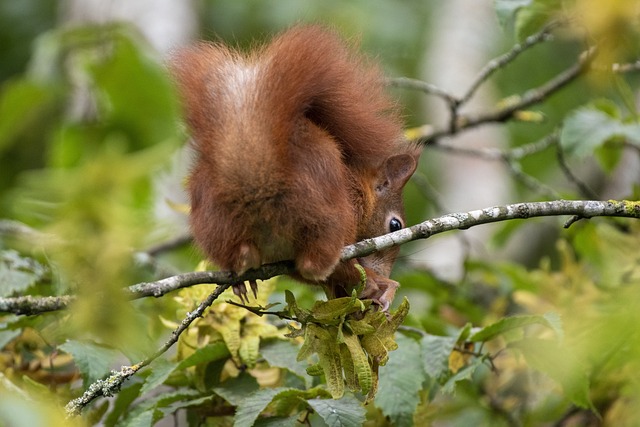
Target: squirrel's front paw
381 290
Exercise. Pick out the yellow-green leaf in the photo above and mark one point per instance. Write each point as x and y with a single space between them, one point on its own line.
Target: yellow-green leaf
359 327
360 362
334 309
249 350
314 370
329 355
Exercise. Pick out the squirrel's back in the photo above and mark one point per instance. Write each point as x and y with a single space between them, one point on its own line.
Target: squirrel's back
236 100
282 135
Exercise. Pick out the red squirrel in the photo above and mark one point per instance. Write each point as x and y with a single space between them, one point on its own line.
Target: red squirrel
299 153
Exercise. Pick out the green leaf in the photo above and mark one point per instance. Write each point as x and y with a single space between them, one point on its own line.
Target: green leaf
249 350
324 342
328 351
22 103
345 412
300 314
291 421
359 327
555 322
282 354
143 419
508 323
163 403
464 333
18 273
144 106
610 252
92 360
533 17
122 402
252 405
348 368
294 400
560 364
608 156
400 382
589 128
506 10
160 371
164 400
185 403
465 373
6 336
235 390
21 410
379 344
214 351
435 354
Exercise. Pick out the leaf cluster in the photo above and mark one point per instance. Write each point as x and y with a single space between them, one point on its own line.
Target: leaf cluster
351 340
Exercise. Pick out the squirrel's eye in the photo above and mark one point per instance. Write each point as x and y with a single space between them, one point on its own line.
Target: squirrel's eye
394 224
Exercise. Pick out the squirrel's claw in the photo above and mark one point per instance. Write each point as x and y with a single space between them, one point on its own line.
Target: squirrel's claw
254 288
240 290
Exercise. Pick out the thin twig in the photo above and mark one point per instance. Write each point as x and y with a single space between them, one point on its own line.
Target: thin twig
506 58
510 159
497 154
531 97
261 311
428 88
112 384
583 188
169 245
626 68
530 182
428 191
533 148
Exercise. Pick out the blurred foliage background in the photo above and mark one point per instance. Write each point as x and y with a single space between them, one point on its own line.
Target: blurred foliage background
91 174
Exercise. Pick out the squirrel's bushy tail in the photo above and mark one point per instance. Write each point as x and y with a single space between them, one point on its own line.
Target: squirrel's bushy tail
305 73
318 77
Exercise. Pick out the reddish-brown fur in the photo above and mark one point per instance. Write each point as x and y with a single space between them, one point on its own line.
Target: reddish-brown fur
299 153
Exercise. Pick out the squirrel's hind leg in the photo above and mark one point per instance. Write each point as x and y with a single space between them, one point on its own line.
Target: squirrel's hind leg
319 255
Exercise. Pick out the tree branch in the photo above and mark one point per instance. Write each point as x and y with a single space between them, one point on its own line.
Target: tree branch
511 160
531 97
501 61
460 221
31 305
428 88
455 103
112 384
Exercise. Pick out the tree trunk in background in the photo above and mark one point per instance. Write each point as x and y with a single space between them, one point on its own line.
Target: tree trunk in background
165 23
463 32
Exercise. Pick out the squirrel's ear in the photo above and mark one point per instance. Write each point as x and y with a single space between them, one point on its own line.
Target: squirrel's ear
399 169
